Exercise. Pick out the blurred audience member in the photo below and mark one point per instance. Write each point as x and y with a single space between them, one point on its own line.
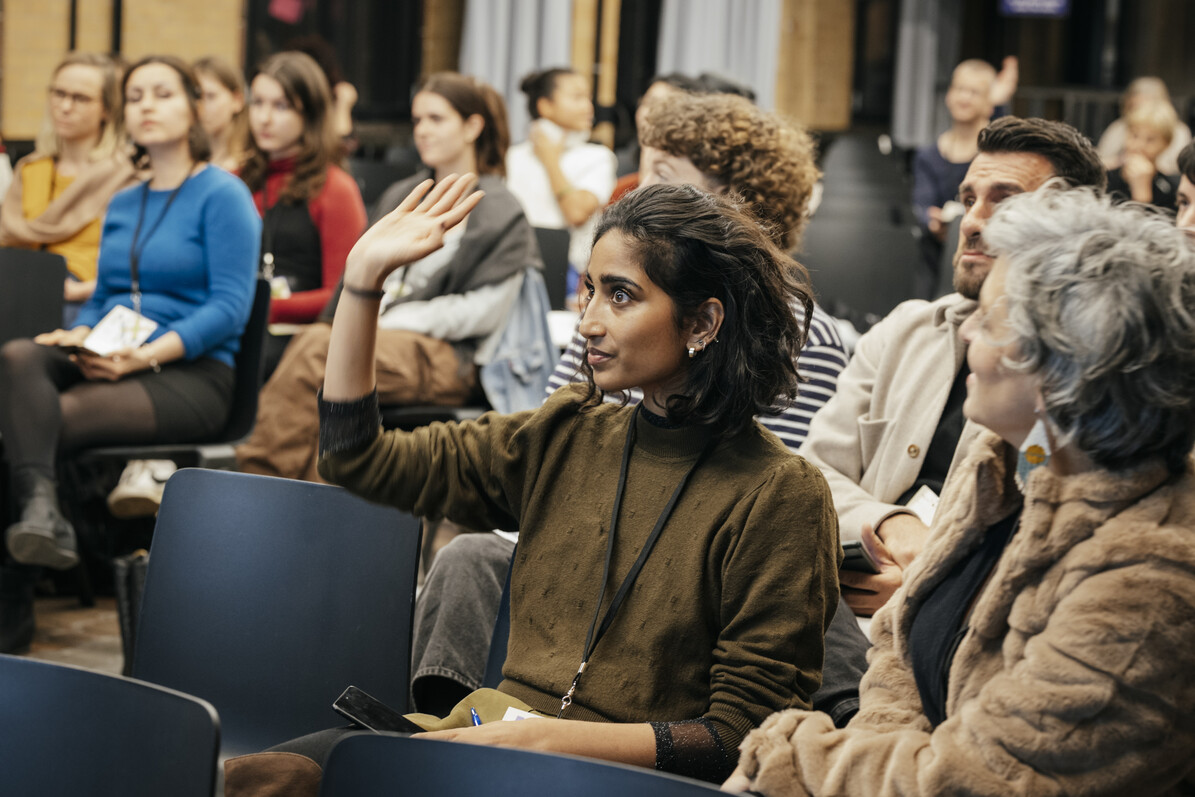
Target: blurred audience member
938 168
224 113
312 212
59 193
177 262
436 315
1150 129
1112 143
344 94
560 179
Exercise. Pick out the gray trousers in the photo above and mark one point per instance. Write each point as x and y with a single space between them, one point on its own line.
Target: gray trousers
454 621
454 618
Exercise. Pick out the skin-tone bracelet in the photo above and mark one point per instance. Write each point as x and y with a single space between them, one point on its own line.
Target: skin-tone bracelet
376 296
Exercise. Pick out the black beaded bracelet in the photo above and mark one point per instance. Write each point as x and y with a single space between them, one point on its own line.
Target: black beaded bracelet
376 296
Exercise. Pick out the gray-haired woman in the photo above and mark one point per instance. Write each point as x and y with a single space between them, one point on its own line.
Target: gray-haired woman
1043 642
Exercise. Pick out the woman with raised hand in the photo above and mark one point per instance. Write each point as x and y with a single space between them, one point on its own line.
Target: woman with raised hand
1041 643
729 540
224 112
59 193
437 314
725 145
177 263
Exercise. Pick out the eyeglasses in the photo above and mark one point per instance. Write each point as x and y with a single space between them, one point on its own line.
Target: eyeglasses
61 96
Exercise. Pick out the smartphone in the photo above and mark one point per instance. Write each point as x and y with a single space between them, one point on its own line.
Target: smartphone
857 558
371 713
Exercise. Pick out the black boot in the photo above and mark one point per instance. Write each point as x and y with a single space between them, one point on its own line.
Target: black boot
16 608
42 536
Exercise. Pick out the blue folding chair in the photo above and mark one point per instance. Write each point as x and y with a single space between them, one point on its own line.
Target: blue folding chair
269 596
66 730
381 765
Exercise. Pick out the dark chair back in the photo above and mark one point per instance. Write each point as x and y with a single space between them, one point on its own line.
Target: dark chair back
269 596
67 730
249 365
30 293
500 640
373 765
374 177
860 264
553 248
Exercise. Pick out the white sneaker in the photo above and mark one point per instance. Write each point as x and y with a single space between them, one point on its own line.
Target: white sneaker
139 491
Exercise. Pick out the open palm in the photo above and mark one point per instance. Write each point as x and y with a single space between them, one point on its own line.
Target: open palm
413 230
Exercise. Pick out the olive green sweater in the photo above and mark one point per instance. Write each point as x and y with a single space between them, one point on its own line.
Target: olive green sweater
727 618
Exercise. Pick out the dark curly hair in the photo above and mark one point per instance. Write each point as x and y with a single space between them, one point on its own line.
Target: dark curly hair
1186 161
1069 152
759 156
306 89
541 85
695 245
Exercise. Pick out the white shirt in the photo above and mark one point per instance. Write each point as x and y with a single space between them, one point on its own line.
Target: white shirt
588 167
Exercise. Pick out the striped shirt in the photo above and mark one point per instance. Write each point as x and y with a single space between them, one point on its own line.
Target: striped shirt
821 361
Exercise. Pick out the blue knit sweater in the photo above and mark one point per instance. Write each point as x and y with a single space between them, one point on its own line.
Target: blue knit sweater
197 268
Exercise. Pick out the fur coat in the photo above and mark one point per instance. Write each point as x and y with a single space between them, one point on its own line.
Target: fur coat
1076 676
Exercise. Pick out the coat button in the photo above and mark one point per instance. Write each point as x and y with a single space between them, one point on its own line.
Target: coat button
914 451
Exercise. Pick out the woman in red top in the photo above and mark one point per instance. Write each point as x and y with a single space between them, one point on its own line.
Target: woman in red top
311 209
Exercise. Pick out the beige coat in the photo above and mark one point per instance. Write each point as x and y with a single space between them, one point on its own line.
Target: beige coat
1077 675
871 437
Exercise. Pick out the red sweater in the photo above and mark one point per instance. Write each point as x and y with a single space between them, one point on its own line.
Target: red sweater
338 215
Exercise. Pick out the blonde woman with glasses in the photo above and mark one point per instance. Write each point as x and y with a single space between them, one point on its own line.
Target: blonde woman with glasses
59 193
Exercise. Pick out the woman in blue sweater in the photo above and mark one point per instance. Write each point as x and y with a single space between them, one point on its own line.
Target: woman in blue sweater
181 249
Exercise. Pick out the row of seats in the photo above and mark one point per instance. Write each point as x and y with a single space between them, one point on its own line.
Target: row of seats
248 576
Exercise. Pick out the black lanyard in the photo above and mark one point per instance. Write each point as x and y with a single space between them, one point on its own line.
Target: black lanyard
267 235
134 250
592 639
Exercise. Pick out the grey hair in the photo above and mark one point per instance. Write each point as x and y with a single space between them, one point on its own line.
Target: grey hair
1100 303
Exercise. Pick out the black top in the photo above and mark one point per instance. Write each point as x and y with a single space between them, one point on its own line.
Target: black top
941 621
288 233
940 453
1165 189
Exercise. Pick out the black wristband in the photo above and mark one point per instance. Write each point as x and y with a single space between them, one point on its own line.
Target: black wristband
376 296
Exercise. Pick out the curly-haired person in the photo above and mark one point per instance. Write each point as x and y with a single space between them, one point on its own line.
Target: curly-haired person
732 145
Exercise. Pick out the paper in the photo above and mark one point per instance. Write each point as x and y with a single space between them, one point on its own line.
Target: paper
120 329
924 504
513 714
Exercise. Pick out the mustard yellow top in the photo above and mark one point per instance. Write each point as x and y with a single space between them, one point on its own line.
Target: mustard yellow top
41 186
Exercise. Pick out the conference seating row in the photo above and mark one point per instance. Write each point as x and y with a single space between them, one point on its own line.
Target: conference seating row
264 598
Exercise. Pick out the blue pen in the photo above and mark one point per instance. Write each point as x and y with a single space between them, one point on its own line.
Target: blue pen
476 719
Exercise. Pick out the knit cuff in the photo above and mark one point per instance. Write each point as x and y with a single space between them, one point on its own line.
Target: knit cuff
691 748
348 425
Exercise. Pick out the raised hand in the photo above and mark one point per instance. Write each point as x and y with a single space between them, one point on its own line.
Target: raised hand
411 231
